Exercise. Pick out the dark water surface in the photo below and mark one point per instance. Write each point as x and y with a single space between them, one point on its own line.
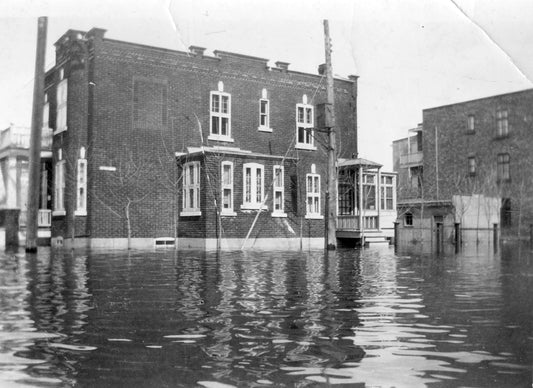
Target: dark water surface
250 319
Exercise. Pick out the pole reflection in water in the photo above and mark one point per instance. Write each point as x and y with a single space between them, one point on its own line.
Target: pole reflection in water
356 317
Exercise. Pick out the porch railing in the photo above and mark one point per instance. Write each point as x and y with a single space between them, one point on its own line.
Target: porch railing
352 222
45 218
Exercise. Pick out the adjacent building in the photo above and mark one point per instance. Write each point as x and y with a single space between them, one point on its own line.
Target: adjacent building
470 163
150 144
14 159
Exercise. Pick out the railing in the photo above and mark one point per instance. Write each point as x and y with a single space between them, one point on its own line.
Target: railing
16 137
412 159
45 218
347 222
352 222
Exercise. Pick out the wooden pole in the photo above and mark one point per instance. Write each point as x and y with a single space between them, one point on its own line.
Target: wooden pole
331 195
35 138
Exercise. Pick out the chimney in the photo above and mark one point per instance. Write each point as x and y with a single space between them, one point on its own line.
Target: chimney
197 51
282 65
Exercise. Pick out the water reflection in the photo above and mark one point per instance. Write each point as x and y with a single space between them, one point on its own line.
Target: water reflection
362 318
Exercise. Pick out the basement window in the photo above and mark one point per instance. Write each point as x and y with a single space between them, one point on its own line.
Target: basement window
164 242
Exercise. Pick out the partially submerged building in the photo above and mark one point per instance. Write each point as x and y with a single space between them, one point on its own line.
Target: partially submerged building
469 164
224 150
14 159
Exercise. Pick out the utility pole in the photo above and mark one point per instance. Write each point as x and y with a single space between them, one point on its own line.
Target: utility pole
331 194
35 138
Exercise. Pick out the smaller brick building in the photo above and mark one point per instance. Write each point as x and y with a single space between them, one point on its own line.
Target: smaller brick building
152 144
476 149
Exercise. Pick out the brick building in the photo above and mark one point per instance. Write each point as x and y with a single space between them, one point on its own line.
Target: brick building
472 153
150 142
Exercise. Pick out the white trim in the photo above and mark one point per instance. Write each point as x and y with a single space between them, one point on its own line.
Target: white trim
61 106
58 213
279 215
107 168
220 138
315 194
191 205
227 186
192 213
220 115
314 217
303 146
228 214
278 189
81 187
254 202
59 188
306 123
264 129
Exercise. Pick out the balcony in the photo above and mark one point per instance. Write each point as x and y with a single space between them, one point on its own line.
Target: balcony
19 137
412 159
351 223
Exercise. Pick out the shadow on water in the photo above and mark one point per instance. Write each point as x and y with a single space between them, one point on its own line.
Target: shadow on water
366 317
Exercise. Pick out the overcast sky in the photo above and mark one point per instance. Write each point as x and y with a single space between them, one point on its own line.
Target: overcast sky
409 54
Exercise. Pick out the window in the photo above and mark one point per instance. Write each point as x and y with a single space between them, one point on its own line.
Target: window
502 171
502 125
471 123
304 125
369 192
346 192
279 190
81 186
61 103
149 103
191 189
220 115
387 193
253 186
264 116
313 194
46 112
59 187
227 189
471 165
408 219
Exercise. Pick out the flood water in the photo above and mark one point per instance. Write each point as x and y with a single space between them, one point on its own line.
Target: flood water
363 318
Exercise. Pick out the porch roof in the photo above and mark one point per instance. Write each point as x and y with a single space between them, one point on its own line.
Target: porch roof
192 151
358 162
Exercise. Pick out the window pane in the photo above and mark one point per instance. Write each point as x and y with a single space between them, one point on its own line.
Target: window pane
300 114
264 105
215 125
278 200
225 103
301 135
258 190
226 174
225 128
215 103
248 185
308 115
226 199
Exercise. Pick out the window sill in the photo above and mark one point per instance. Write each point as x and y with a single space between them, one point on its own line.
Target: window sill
190 213
58 213
81 213
470 131
253 206
304 146
279 215
59 131
264 129
220 138
228 214
314 217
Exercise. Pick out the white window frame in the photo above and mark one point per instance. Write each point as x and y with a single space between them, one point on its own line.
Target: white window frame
219 116
191 204
502 122
254 202
471 123
472 165
384 197
81 188
59 188
307 124
266 114
227 186
313 194
61 109
278 188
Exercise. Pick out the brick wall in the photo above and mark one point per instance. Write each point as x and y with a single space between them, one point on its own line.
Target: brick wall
455 144
101 108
